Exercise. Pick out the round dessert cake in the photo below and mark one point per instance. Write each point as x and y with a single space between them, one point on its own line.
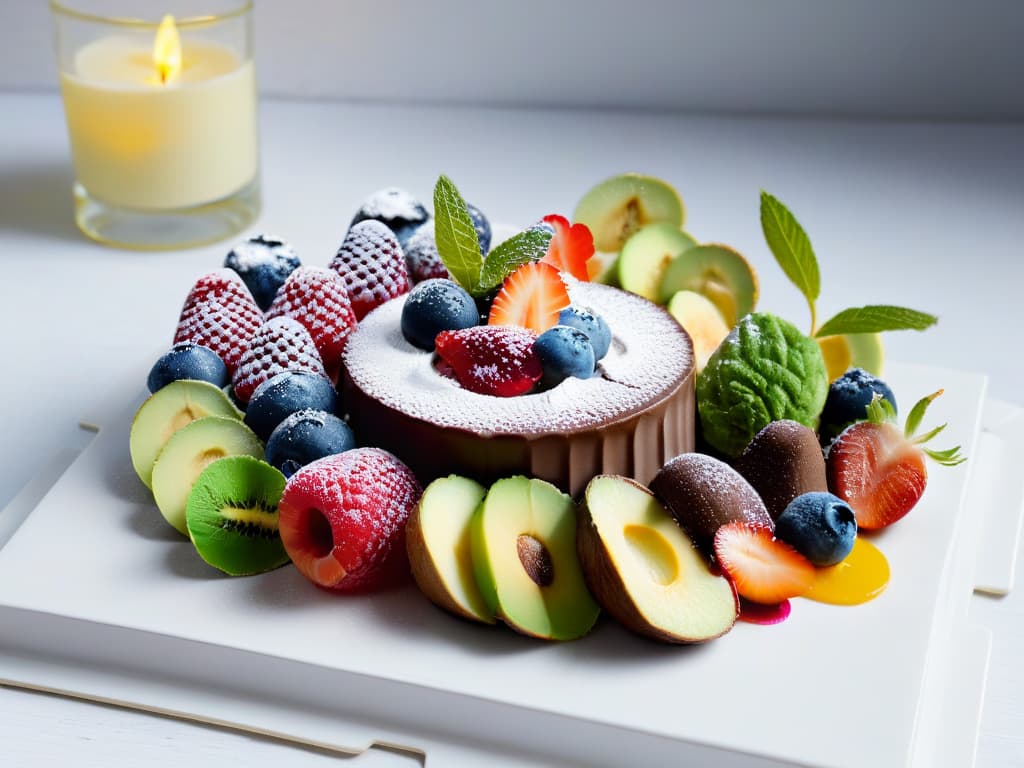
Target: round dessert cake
636 412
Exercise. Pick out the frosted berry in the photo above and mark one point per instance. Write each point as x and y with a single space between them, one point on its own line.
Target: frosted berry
372 264
281 344
318 299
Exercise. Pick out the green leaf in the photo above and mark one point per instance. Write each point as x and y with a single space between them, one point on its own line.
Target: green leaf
791 247
880 410
917 413
457 241
948 458
526 246
876 318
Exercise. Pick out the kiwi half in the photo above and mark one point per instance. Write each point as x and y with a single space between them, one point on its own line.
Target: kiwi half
165 412
188 452
232 516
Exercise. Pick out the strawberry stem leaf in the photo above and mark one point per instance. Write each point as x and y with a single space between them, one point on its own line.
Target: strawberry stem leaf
876 318
921 439
948 458
457 241
917 413
792 249
880 410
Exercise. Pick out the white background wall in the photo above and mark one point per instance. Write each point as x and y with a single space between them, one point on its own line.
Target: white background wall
901 58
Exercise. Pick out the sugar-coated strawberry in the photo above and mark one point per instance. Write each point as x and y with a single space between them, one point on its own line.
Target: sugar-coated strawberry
318 299
532 297
224 284
570 248
879 469
372 264
342 519
763 568
281 344
221 314
491 360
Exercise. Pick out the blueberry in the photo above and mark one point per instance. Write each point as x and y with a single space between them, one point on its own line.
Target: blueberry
186 360
434 306
591 324
564 352
482 227
848 400
263 263
395 208
284 394
306 436
819 526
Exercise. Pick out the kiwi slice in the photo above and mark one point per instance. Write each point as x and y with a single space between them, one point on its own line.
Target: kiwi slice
717 272
188 452
621 205
232 516
168 410
646 256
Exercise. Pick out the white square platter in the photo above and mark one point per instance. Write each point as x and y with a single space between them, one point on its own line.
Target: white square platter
99 598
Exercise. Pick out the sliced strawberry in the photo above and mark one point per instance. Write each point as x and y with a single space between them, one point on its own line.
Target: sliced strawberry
491 360
318 299
281 344
763 569
570 248
371 262
531 297
221 314
879 469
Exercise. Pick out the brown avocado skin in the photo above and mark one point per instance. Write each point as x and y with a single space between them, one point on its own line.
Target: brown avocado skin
704 493
783 461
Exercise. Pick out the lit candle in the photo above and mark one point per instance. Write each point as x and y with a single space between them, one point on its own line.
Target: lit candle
170 126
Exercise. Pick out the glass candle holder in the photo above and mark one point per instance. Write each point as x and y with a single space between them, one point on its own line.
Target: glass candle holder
161 115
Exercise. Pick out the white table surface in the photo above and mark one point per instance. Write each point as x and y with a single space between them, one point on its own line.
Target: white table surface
928 215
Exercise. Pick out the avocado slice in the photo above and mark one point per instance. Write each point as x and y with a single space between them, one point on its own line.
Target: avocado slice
524 557
188 452
645 570
437 537
165 412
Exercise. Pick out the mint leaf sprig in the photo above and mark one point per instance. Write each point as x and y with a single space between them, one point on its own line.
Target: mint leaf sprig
792 249
457 241
459 247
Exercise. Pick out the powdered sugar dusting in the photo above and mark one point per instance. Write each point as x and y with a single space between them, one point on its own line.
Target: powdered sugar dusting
650 355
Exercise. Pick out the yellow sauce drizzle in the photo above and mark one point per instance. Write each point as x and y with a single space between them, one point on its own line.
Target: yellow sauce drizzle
862 576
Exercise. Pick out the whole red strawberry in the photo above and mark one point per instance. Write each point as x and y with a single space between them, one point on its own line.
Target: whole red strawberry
281 344
220 313
491 360
318 299
879 469
342 519
372 264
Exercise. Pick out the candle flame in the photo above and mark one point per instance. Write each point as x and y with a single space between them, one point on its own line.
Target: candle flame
167 50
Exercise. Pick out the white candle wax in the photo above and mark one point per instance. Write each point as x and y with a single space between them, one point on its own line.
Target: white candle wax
140 143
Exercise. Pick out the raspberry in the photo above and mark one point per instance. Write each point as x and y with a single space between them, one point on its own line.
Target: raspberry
342 519
281 344
221 314
318 299
372 264
492 360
